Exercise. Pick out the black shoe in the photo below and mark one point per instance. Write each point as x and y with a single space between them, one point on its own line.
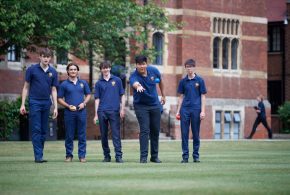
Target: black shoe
107 160
155 160
249 137
184 161
196 160
143 160
119 160
40 161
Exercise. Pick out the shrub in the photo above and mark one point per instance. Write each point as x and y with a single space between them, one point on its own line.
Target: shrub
284 115
9 117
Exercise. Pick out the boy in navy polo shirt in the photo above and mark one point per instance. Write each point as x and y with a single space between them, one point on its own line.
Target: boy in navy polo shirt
109 94
191 109
261 118
147 106
74 94
40 82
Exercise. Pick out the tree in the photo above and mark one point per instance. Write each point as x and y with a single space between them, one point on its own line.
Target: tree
77 25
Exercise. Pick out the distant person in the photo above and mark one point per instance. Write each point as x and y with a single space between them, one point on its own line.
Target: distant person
147 106
109 108
191 109
261 118
41 81
120 71
74 94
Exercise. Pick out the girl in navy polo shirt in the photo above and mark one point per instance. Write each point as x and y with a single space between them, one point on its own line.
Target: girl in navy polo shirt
74 94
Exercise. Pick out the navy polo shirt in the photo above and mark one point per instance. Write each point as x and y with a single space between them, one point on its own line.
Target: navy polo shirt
262 109
149 97
192 90
73 93
109 92
40 82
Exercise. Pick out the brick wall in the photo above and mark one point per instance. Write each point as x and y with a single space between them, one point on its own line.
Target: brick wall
11 81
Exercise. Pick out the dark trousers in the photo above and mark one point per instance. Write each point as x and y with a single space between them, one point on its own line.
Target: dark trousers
111 118
264 122
75 121
149 124
187 117
38 124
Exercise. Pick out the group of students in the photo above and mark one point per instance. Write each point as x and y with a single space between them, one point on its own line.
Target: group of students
41 83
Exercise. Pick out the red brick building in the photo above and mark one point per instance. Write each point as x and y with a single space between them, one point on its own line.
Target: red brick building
278 57
228 40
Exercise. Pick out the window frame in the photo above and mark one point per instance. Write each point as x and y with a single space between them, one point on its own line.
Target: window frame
158 44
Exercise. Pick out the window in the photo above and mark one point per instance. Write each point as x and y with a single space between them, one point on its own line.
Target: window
236 125
158 46
218 131
234 54
228 26
214 25
224 26
237 28
225 44
274 38
233 27
13 54
227 124
61 56
219 25
275 95
225 53
216 53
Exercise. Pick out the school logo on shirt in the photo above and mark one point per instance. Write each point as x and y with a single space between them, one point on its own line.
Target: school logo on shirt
50 74
152 78
82 85
196 85
113 83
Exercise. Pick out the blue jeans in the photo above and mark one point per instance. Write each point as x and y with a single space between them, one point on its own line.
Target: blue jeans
38 124
75 121
149 123
112 118
187 117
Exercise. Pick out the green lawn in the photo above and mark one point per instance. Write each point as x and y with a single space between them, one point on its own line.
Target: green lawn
227 167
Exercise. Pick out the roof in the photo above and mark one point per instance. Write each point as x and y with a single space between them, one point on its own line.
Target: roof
276 10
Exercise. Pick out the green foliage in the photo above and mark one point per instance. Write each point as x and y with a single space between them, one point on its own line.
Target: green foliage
74 24
9 117
284 115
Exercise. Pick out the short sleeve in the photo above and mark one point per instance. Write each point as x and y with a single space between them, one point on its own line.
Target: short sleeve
97 90
202 87
133 78
55 80
28 75
121 88
60 92
180 88
87 88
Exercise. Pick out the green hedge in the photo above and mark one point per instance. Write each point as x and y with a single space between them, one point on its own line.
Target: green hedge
9 117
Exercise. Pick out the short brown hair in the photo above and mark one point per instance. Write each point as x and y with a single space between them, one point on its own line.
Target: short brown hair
190 62
105 64
45 52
